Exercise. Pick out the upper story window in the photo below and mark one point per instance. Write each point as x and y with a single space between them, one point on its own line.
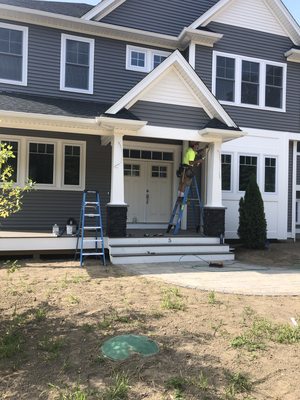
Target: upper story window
13 54
143 59
249 82
77 64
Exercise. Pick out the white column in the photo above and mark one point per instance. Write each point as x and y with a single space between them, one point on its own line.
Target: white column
214 180
117 171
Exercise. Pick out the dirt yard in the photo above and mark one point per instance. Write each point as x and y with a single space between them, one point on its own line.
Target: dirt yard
54 317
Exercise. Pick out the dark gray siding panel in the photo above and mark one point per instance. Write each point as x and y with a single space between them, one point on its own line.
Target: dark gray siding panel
43 208
111 79
298 171
170 115
161 16
262 45
290 187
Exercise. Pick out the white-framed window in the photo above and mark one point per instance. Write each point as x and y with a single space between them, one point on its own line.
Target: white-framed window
249 82
226 162
73 158
247 167
13 54
52 164
270 174
143 59
132 170
77 64
12 162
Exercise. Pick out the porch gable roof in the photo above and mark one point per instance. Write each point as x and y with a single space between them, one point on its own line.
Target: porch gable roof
184 70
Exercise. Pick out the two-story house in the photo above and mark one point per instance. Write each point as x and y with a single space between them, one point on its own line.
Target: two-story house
107 97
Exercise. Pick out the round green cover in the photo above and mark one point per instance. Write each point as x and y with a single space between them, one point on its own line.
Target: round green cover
122 347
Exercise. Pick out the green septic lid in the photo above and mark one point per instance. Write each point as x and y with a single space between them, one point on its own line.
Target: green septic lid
122 347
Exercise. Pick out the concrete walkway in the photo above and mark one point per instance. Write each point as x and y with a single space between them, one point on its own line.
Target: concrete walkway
234 277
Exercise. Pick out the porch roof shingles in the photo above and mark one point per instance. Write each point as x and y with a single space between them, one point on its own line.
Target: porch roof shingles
216 124
57 106
57 7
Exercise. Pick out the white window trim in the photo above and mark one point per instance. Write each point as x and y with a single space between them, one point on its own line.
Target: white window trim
264 175
149 58
5 138
58 170
231 170
64 38
81 168
238 81
238 170
23 29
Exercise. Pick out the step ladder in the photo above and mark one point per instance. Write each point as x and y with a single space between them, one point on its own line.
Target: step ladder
179 207
90 221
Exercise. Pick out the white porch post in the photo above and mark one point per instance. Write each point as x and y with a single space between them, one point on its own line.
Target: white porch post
214 183
117 171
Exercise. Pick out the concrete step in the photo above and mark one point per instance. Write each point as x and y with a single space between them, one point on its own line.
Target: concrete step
167 249
162 240
160 258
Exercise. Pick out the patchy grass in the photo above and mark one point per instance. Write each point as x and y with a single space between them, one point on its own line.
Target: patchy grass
52 346
263 331
119 388
172 299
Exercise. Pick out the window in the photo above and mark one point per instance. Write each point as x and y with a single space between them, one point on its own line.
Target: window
131 170
77 64
249 82
12 162
226 172
148 155
270 175
41 163
274 86
72 165
225 78
248 167
13 54
159 171
143 59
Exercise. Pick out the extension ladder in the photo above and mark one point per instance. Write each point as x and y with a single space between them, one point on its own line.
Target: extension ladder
90 221
179 207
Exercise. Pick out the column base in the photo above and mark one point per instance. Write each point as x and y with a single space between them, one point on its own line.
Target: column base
214 221
116 220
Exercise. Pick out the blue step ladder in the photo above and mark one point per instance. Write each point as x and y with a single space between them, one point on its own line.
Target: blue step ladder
90 221
179 207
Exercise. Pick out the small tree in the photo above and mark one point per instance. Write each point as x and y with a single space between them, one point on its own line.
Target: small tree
10 194
252 222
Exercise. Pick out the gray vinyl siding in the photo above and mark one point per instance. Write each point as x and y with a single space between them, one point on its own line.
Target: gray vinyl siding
247 42
298 170
290 187
111 79
43 208
169 115
163 16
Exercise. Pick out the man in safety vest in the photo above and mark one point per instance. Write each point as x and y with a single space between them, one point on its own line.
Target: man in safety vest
190 159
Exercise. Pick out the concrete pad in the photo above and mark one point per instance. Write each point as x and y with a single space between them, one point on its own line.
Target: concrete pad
234 277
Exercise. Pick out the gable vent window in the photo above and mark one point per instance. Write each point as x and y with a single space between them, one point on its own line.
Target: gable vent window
13 54
77 64
143 59
249 82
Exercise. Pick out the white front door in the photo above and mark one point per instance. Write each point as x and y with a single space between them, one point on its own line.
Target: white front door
148 190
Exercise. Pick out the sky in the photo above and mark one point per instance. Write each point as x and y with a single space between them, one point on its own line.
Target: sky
292 5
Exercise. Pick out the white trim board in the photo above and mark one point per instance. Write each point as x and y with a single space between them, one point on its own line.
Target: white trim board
103 8
210 104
